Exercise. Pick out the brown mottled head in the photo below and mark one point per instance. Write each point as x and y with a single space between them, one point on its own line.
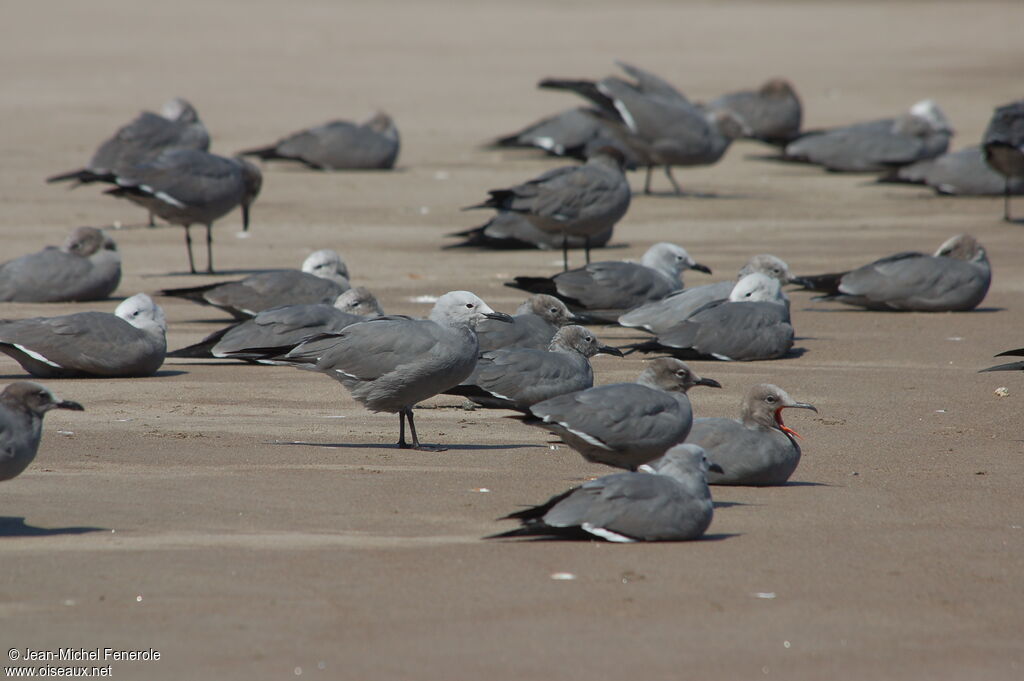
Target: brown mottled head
672 375
34 398
961 247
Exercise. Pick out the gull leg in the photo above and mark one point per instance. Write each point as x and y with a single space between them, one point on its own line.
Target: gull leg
188 245
415 440
209 248
675 185
647 181
565 252
586 247
1006 199
401 430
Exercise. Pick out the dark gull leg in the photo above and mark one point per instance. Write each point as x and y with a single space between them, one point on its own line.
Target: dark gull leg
565 251
415 440
1006 199
188 245
209 248
401 430
675 185
586 247
647 182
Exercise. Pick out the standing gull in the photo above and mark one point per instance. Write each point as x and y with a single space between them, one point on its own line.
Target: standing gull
624 424
391 363
87 266
756 449
188 186
772 113
22 407
323 278
921 133
516 378
670 504
602 291
657 123
130 342
955 279
284 325
752 324
584 201
533 325
1003 143
339 145
661 315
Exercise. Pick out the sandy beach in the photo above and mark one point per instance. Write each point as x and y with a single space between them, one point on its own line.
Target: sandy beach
255 522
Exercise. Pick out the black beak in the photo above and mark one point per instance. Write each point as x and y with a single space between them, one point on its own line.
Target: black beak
68 404
801 405
500 316
245 217
709 382
609 350
700 268
715 468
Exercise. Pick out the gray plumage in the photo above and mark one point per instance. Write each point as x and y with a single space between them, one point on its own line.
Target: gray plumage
603 291
533 325
661 315
130 342
176 127
285 325
576 133
756 449
87 266
324 276
339 145
22 407
1003 144
391 363
671 504
624 424
1011 366
188 186
955 279
507 230
921 133
516 378
656 122
771 114
583 201
956 173
752 324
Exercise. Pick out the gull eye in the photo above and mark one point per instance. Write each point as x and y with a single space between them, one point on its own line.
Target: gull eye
553 310
770 399
589 339
469 306
681 373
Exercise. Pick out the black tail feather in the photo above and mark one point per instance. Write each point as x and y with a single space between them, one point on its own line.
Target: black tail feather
585 88
265 153
83 176
822 283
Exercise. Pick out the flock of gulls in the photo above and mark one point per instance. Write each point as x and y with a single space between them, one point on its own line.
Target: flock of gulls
535 362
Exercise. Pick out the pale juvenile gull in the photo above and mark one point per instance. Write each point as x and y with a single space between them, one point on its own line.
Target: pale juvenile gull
584 201
603 291
771 114
391 363
956 278
624 424
339 145
284 325
670 504
756 449
921 133
1011 366
1003 143
508 230
87 266
516 378
22 407
130 342
656 122
324 276
956 173
660 315
188 186
752 324
533 325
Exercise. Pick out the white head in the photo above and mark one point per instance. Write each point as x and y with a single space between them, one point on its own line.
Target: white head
326 264
929 111
687 463
141 312
179 108
358 301
757 288
462 308
769 265
670 259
